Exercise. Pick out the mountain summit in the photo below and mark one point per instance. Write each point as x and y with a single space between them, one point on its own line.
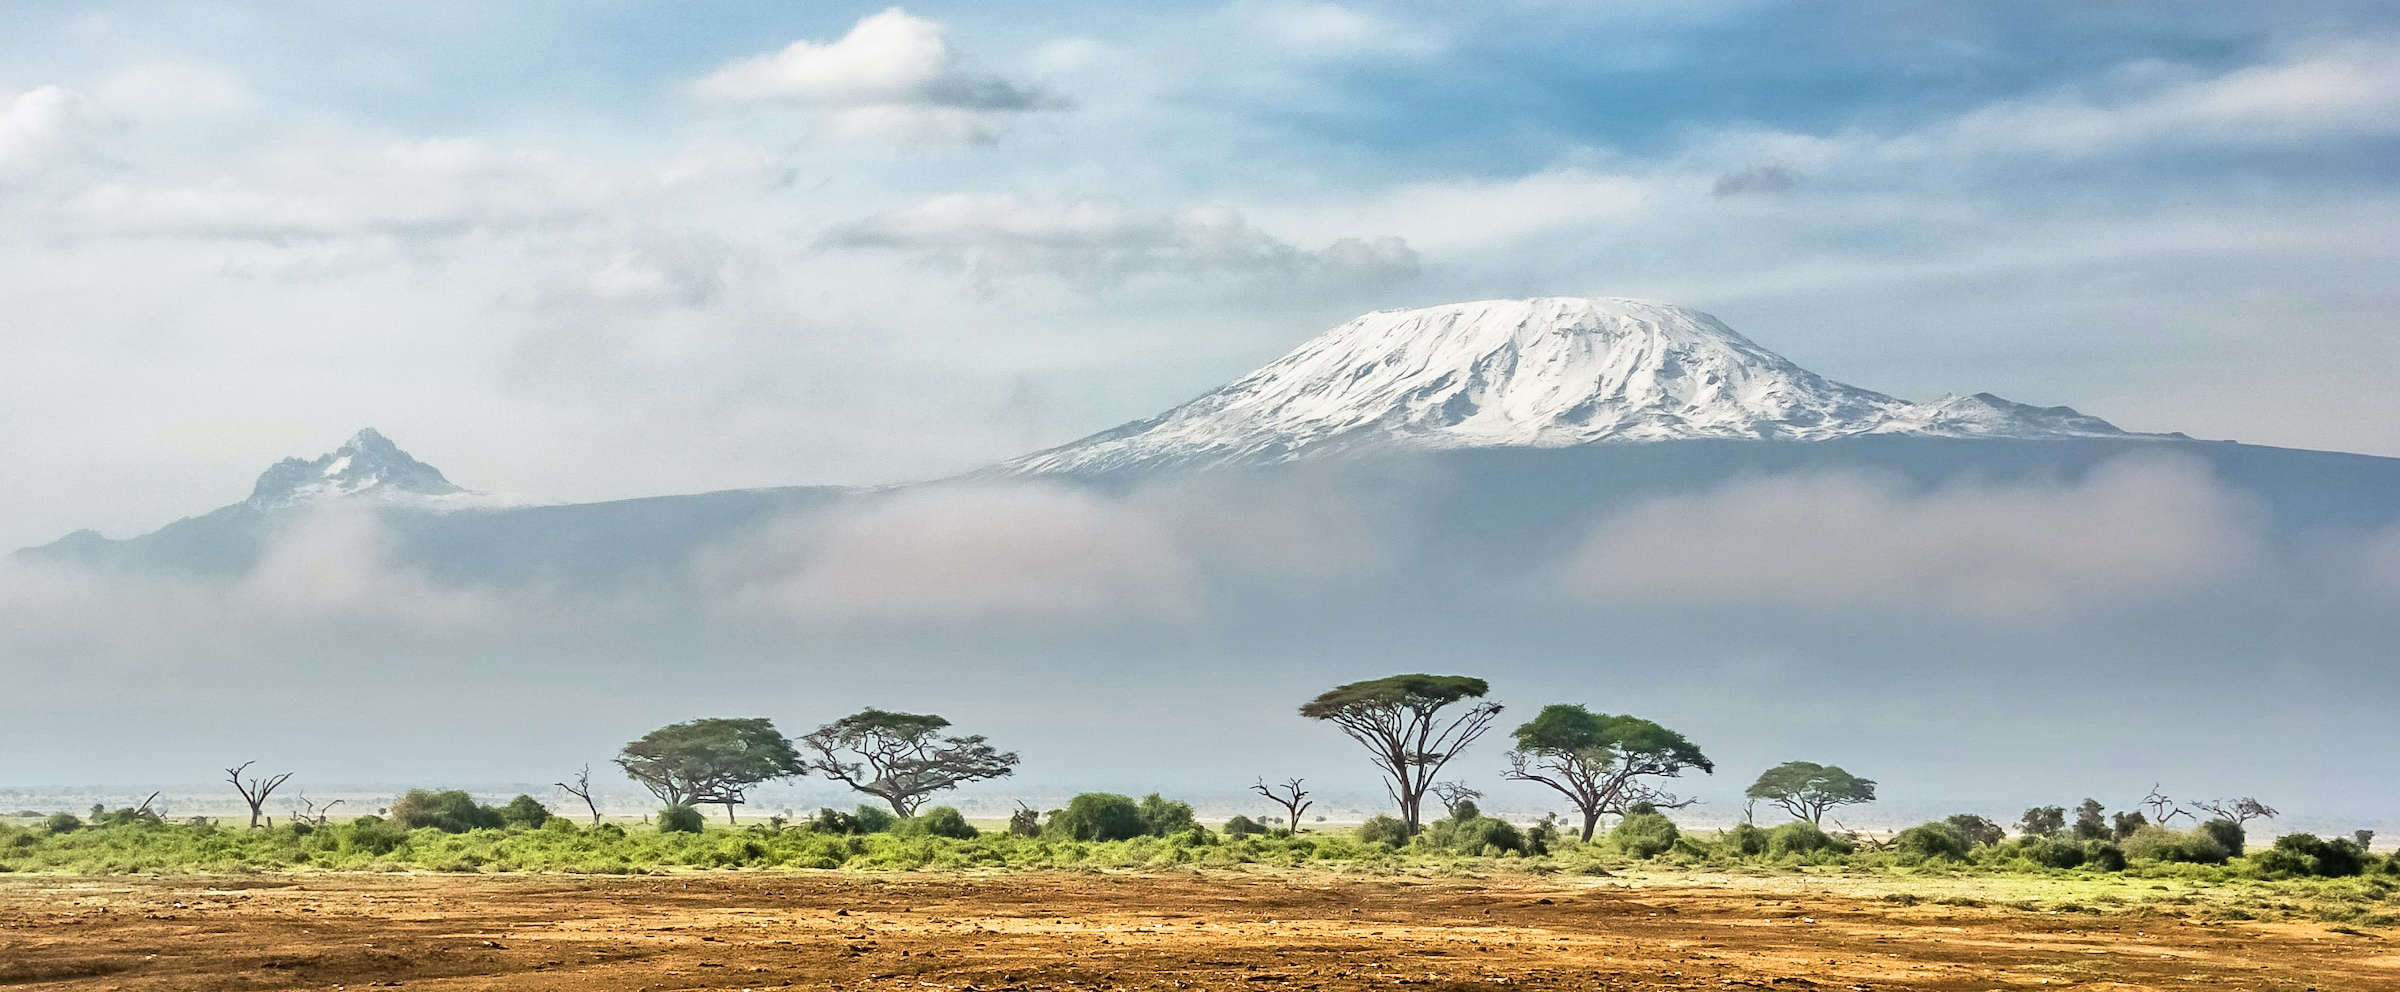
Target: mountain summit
368 464
1547 372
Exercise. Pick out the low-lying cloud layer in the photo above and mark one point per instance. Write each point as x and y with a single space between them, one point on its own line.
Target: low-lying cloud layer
2137 531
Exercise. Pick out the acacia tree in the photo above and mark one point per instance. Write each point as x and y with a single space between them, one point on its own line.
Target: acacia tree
709 761
256 790
1599 761
899 758
1399 720
1806 789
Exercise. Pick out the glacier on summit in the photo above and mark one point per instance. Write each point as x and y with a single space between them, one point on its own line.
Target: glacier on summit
1550 372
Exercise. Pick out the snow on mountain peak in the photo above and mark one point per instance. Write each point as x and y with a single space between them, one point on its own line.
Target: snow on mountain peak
1545 372
368 465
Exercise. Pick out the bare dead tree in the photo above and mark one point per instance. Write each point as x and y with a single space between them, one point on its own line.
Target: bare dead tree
1636 793
582 789
256 790
310 812
1289 795
145 809
2240 811
2163 809
1451 794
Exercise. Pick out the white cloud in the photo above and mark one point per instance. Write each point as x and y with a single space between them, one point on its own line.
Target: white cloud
2348 88
2136 530
1309 27
398 189
170 92
893 75
1098 243
33 123
1013 553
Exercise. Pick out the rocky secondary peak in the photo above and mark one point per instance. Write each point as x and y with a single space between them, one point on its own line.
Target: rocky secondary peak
368 464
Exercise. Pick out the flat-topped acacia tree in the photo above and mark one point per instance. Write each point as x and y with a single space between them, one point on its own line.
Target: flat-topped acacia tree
1806 789
1401 722
709 761
1599 762
900 757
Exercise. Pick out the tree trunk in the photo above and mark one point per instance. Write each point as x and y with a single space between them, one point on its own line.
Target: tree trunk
728 814
1591 821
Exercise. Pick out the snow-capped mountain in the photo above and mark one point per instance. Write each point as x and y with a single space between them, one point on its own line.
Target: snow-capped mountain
368 465
1550 372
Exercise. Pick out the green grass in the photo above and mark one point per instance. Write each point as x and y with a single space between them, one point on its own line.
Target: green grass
2209 893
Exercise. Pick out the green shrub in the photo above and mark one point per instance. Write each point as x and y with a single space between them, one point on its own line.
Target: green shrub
370 835
1024 823
1937 839
62 823
1161 817
1469 832
2228 835
2049 852
2151 842
680 819
1803 838
1383 829
1745 840
873 819
2101 855
1976 830
1243 826
1098 816
944 821
2302 855
1645 835
525 811
449 811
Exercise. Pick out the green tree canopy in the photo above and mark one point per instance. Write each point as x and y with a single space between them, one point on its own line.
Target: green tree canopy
1599 761
710 760
1806 789
1399 721
901 757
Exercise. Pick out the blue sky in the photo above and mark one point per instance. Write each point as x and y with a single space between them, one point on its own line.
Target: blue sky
586 250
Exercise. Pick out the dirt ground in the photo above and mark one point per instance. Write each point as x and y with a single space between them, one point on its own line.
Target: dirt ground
1064 930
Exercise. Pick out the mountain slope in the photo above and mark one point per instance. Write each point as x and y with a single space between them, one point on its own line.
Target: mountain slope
1546 372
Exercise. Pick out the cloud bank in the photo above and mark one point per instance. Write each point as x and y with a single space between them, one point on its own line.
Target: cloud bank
893 76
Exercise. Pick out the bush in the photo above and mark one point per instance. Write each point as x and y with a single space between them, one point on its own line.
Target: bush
1937 839
1098 816
1745 839
370 835
1804 838
1645 835
1024 823
2151 842
1161 817
2296 855
1243 826
2228 835
944 821
1383 829
1468 831
525 811
62 823
1976 830
873 819
2100 855
2049 852
449 811
680 819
